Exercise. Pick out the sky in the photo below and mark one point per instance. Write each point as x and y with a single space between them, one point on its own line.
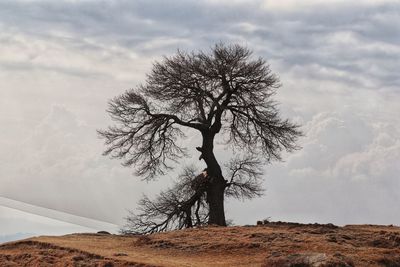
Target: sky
61 61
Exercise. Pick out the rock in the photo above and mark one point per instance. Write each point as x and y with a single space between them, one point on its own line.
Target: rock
331 238
346 237
391 261
78 258
120 254
143 240
306 260
103 232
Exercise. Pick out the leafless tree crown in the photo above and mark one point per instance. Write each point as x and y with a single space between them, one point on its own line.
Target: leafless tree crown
223 90
226 91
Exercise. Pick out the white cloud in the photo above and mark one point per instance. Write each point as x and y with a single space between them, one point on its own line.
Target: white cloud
60 166
346 173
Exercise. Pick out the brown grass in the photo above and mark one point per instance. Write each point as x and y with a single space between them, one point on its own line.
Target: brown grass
274 244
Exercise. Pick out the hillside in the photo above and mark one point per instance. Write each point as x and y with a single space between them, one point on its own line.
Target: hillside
273 244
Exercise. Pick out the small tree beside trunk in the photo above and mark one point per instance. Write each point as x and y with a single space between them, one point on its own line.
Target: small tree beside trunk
224 92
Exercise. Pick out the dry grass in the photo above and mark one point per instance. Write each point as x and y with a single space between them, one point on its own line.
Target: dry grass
274 244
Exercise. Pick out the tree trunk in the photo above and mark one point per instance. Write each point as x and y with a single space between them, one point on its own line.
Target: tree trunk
215 199
216 189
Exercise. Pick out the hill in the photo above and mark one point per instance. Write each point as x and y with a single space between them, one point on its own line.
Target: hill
272 244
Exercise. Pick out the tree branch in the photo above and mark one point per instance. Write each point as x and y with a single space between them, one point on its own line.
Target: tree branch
245 177
173 208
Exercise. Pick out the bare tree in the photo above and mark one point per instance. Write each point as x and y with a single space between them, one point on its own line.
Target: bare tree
224 92
185 204
182 206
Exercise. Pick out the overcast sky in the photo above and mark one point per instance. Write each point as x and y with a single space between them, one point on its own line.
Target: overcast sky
338 61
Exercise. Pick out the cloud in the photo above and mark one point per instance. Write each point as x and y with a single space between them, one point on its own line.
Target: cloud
67 55
59 166
345 173
292 5
61 61
81 34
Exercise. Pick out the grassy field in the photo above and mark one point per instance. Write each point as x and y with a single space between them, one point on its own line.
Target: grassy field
273 244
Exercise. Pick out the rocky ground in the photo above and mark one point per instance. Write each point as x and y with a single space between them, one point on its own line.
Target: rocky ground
270 244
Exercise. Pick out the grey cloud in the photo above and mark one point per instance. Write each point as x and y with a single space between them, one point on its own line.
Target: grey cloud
297 38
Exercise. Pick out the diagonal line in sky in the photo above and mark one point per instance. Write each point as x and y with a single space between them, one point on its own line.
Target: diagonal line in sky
58 215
